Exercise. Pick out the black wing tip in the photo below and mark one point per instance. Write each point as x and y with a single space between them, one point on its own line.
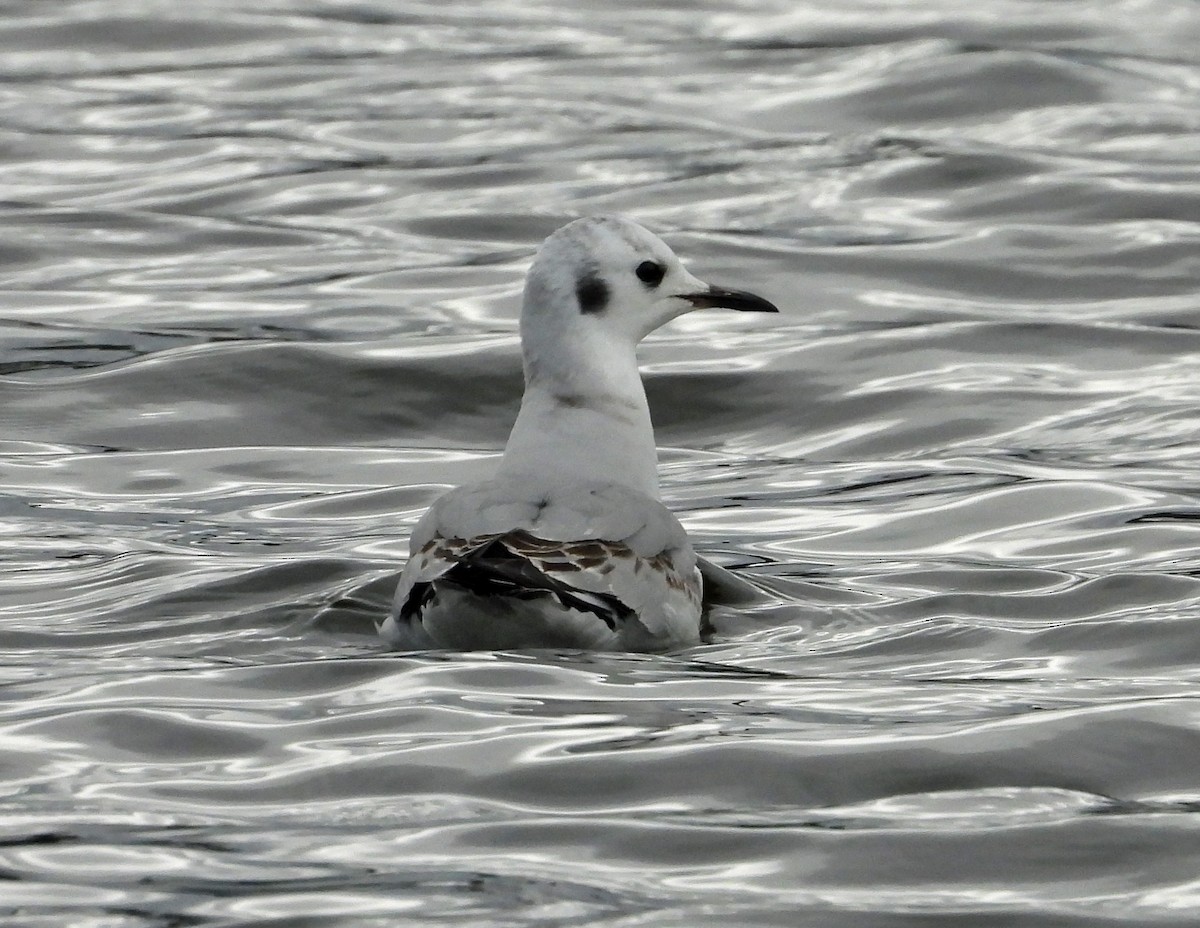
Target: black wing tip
494 570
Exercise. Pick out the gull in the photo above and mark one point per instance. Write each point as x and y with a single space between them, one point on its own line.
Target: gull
569 545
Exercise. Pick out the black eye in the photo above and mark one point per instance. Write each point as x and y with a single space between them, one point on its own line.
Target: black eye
650 273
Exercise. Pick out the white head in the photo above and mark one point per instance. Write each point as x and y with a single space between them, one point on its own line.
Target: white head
605 279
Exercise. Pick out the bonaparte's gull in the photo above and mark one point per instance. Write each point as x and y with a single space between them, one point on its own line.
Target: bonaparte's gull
568 544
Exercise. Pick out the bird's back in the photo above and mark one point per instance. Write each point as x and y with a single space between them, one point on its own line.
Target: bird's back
532 563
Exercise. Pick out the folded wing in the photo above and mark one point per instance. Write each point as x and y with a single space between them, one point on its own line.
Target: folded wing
606 551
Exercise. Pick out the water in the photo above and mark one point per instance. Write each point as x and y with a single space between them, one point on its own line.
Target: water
261 269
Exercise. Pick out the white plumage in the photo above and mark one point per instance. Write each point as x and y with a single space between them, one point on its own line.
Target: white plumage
568 545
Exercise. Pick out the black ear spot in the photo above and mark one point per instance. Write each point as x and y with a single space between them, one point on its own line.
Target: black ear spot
650 273
592 293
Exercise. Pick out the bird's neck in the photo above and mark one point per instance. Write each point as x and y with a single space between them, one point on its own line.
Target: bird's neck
584 418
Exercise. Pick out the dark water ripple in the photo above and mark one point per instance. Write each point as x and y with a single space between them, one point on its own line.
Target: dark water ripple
260 282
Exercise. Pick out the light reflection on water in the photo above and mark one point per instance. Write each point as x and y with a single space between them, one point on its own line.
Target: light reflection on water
261 286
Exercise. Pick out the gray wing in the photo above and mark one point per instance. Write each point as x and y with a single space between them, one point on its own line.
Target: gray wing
605 540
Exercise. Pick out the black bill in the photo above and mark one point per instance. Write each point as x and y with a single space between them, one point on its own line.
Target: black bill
721 298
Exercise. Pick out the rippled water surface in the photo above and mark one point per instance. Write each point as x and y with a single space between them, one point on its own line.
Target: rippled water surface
261 268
